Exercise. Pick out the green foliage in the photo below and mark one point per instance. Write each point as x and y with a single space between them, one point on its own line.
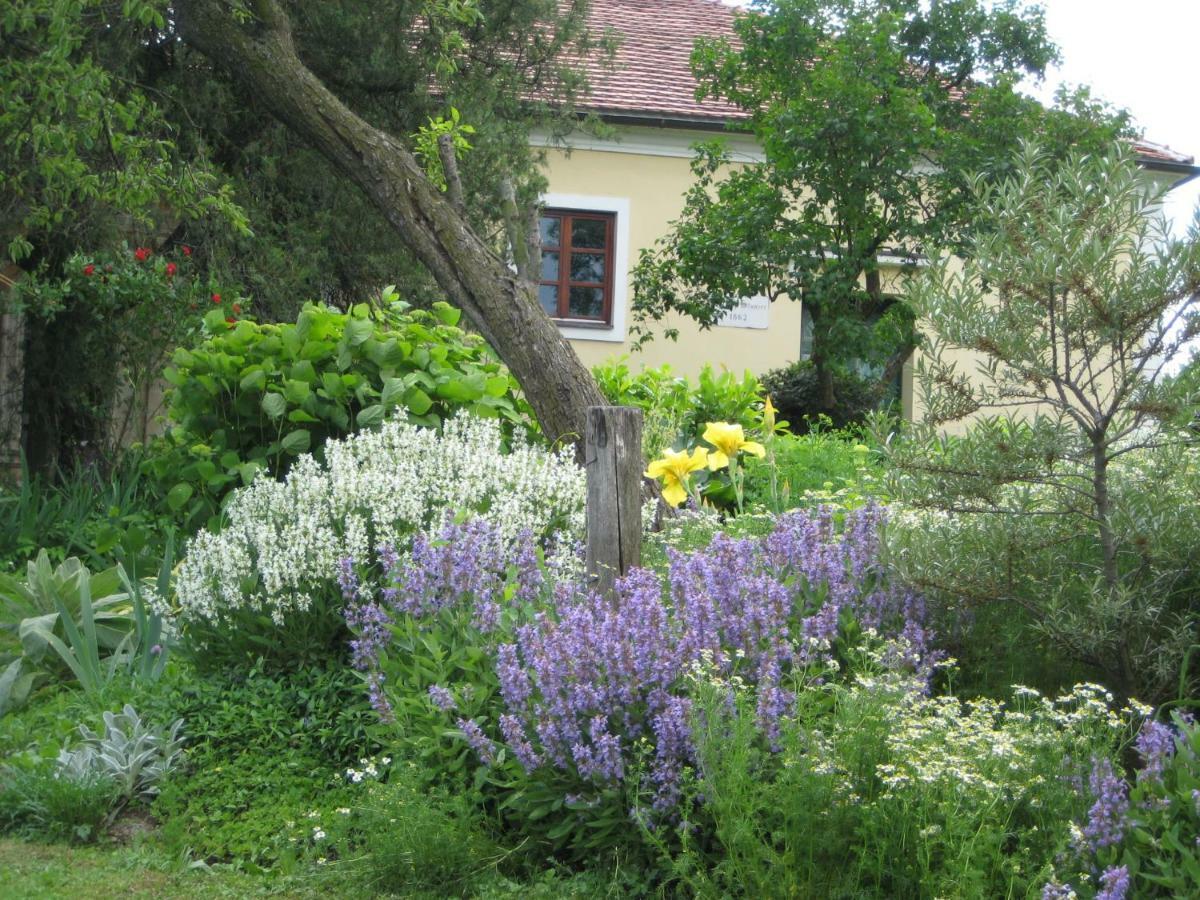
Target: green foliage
35 801
1074 299
253 397
96 624
796 394
131 754
78 138
38 614
425 144
674 408
912 796
262 751
114 316
404 838
1158 846
849 101
313 235
822 466
99 516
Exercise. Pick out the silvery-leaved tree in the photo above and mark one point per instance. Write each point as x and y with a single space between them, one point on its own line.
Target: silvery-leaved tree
1069 504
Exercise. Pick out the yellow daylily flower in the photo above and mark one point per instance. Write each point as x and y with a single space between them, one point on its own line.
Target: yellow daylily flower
769 411
674 469
729 440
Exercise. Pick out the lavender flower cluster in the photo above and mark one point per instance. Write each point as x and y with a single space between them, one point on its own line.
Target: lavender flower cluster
1120 806
592 676
464 564
589 682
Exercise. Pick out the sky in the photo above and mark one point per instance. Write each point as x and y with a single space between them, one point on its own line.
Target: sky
1141 56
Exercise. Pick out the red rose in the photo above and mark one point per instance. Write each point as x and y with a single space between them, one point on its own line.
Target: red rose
230 319
237 308
187 251
171 270
89 269
216 298
141 254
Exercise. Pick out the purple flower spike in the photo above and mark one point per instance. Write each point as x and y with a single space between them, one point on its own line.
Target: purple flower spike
1106 818
1114 883
1155 744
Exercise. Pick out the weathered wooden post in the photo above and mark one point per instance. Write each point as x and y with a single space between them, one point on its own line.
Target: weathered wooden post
613 461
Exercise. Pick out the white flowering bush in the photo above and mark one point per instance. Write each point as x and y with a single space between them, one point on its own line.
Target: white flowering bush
269 576
913 794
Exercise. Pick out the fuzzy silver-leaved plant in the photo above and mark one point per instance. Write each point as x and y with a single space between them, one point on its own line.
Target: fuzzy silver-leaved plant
133 754
283 540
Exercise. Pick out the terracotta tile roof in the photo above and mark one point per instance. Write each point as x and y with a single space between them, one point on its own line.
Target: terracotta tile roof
652 74
1152 152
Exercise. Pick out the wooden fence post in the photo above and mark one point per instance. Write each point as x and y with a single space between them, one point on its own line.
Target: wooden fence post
613 461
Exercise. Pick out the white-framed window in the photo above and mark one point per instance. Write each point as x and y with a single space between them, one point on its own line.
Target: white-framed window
584 281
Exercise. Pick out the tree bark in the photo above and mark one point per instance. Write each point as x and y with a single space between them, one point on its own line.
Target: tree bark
497 302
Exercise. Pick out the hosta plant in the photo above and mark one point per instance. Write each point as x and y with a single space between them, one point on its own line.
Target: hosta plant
257 396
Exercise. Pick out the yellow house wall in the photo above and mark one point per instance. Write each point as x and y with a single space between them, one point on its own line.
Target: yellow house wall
654 186
650 187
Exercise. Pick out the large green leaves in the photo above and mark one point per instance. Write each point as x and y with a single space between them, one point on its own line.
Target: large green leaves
257 396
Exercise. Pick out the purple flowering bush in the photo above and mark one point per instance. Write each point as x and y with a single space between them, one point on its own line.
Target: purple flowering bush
1141 835
578 705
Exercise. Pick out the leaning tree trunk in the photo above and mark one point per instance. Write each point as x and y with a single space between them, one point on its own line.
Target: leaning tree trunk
496 301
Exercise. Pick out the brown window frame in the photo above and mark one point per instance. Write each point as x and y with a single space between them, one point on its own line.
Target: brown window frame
564 249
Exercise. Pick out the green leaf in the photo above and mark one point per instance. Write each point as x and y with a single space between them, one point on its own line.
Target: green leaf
274 405
462 390
417 401
179 495
393 391
296 392
370 416
358 330
446 313
296 442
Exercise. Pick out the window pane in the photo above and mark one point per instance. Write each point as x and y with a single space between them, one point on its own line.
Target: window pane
586 303
548 297
551 231
549 266
587 267
588 232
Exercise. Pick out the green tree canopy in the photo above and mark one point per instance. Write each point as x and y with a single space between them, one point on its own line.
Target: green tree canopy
1070 498
870 114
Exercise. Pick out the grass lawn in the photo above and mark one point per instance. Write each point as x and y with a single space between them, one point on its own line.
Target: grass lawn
81 873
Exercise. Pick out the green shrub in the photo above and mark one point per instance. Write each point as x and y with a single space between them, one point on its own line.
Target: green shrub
402 837
1002 546
793 390
262 751
876 789
820 466
675 409
100 514
97 339
254 397
36 801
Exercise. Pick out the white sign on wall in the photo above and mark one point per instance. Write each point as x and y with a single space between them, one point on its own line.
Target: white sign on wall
751 312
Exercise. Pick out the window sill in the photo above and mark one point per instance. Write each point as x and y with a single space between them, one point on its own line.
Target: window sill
590 324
